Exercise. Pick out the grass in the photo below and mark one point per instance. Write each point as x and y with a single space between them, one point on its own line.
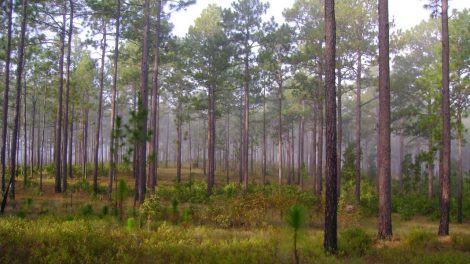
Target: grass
182 226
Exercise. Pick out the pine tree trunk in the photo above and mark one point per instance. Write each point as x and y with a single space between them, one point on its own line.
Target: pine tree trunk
142 146
246 115
19 78
319 178
340 129
264 138
444 170
357 167
25 132
460 166
313 155
58 130
383 144
70 166
6 93
154 121
178 142
331 202
211 138
100 111
279 138
112 140
67 99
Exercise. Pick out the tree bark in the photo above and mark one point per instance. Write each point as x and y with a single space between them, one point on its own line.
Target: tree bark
460 166
6 93
383 144
246 104
319 178
357 167
154 121
178 142
58 131
19 78
112 140
331 203
142 146
301 163
211 139
340 129
313 155
279 147
444 171
67 99
264 138
100 111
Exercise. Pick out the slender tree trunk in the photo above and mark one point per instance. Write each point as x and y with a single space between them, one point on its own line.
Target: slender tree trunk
25 132
430 168
112 140
70 166
383 144
211 138
204 164
288 159
264 137
6 93
340 129
178 142
41 162
319 178
33 134
357 167
190 155
301 149
227 157
313 167
292 153
67 99
331 203
154 121
460 166
279 147
58 131
401 158
100 111
246 123
168 140
142 148
19 78
444 171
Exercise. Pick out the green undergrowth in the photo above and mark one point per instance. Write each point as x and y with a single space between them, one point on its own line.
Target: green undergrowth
55 240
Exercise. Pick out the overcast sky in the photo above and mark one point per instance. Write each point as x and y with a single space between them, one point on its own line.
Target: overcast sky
406 13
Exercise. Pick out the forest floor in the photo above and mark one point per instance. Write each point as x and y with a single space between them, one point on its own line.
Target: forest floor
182 225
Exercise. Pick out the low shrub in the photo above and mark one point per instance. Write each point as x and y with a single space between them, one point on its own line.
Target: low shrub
354 242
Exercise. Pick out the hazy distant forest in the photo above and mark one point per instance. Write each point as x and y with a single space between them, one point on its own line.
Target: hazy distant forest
332 137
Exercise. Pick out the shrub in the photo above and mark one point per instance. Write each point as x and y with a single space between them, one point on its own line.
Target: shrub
354 242
86 210
131 224
420 238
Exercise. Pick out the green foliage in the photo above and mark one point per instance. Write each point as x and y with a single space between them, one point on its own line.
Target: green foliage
86 210
417 238
354 242
413 204
295 216
131 224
